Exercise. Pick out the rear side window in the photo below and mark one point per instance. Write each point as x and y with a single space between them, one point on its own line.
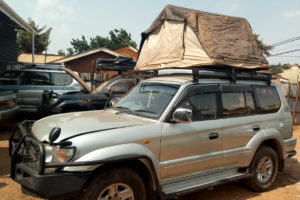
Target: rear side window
11 78
61 79
267 98
37 78
237 103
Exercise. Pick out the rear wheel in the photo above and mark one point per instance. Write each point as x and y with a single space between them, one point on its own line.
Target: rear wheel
264 169
116 184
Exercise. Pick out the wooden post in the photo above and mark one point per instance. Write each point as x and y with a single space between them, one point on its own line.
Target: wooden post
288 93
296 103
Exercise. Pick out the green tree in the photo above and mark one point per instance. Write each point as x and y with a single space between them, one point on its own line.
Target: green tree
117 38
264 49
80 45
61 52
41 40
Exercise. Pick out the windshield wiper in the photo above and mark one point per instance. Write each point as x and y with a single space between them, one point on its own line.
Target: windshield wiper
146 111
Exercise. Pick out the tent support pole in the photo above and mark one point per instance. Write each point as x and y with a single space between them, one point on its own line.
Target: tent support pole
296 103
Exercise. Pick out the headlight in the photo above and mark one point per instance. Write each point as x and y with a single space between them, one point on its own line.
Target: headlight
53 101
62 154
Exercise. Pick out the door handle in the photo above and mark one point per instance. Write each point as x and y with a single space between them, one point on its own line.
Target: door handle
256 127
213 136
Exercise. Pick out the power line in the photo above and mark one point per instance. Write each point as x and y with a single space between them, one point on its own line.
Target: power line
285 47
285 41
285 52
286 56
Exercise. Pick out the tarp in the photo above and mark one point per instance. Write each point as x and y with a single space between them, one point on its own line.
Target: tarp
181 37
291 75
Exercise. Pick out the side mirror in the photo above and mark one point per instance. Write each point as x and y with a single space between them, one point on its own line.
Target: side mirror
54 134
107 90
182 115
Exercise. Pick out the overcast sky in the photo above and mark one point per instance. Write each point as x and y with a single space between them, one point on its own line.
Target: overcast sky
275 20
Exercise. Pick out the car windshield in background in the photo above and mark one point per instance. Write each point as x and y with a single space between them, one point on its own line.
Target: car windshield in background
147 99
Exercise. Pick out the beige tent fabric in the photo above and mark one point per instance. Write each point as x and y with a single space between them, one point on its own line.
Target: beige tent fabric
291 75
216 40
191 55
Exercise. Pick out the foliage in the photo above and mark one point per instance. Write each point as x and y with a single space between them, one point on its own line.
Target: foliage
276 69
117 38
41 40
61 52
264 49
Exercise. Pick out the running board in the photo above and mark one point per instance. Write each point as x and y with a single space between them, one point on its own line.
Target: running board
203 181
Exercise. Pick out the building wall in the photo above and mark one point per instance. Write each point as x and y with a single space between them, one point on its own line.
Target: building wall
84 65
8 47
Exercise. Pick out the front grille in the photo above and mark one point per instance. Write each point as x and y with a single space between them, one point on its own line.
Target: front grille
29 155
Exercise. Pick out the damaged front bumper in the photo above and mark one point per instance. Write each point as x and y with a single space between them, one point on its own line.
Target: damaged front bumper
38 178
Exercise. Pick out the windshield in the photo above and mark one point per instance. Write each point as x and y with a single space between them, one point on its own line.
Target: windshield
148 99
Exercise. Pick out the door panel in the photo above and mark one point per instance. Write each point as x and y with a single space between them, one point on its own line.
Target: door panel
196 147
187 149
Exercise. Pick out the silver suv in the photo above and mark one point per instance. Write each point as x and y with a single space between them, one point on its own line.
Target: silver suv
29 84
170 135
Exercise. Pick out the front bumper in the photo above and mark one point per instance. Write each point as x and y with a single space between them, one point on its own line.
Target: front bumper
28 168
55 185
290 146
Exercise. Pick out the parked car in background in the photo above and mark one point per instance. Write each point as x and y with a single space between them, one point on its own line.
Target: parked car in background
30 82
8 105
106 93
102 96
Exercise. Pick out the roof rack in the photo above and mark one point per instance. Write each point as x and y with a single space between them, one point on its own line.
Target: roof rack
120 64
212 72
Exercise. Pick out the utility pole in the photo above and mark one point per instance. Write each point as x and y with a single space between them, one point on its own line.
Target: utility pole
32 47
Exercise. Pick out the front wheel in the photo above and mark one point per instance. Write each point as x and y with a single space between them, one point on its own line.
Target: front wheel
116 184
264 169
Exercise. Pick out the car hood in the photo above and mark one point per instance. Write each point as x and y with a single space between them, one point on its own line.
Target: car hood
78 123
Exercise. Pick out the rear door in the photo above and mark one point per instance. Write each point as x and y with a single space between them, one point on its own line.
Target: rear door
31 93
193 148
240 123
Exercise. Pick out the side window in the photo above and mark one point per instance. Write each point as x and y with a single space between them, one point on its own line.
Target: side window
203 105
61 79
11 78
237 103
37 78
267 98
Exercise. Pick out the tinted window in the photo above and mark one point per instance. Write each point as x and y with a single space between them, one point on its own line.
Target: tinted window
37 78
61 79
267 99
11 78
203 105
237 103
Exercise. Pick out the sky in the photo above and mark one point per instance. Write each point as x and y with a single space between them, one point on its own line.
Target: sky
274 21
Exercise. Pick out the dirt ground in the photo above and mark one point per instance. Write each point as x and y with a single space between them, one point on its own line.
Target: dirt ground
286 187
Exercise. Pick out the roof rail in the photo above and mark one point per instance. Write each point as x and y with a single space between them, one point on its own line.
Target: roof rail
212 72
43 66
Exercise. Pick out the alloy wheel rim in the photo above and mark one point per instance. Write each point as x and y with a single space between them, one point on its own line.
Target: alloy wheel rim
264 169
117 191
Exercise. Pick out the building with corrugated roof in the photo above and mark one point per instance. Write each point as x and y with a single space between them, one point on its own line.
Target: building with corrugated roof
9 22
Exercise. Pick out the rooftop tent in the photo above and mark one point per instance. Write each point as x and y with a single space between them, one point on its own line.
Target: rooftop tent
181 37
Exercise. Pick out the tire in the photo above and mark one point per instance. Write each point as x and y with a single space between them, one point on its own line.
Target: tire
123 183
264 169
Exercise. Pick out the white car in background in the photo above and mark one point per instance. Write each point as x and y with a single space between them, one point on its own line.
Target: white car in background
8 105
